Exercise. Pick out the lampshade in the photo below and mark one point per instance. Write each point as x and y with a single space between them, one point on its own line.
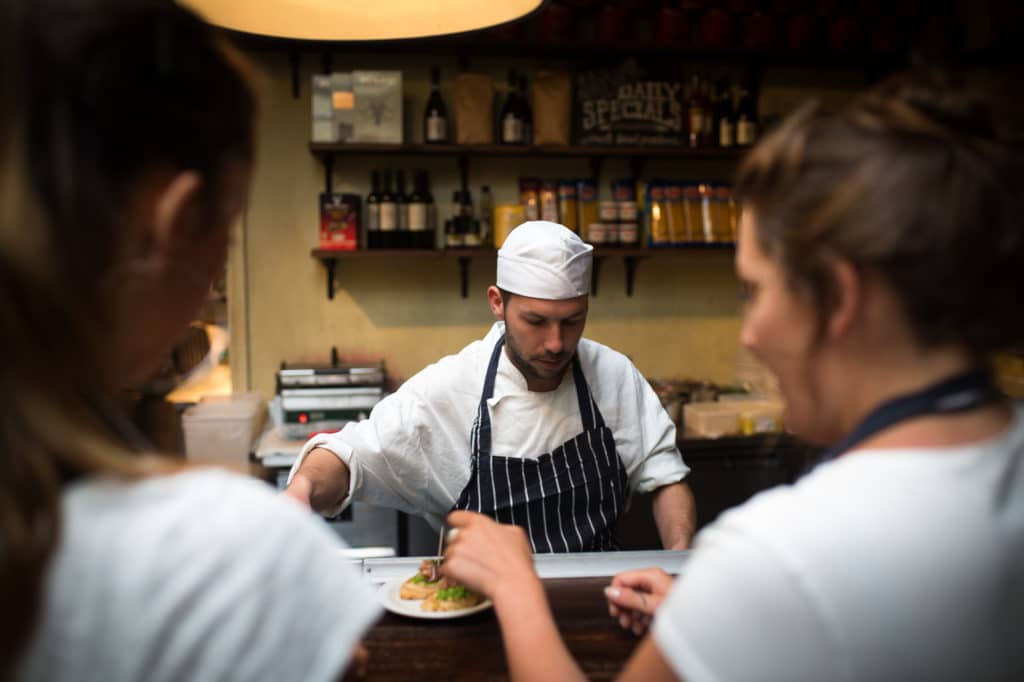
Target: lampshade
359 19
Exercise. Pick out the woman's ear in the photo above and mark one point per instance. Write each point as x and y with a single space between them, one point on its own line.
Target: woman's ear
177 211
848 298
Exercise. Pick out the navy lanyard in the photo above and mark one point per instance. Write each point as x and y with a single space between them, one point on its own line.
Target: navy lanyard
958 393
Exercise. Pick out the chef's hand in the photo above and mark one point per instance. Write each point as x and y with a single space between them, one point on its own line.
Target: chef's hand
486 556
634 596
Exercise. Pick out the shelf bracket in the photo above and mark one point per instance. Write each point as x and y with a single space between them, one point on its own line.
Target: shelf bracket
331 265
295 59
630 263
464 172
636 167
464 275
595 272
329 172
595 169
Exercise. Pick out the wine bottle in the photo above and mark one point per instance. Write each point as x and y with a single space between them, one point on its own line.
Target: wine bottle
402 208
746 116
471 228
373 212
435 116
725 121
453 230
419 235
525 112
696 113
510 120
486 215
388 214
707 135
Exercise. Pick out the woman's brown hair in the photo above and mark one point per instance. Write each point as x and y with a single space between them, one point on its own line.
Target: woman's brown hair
93 95
913 181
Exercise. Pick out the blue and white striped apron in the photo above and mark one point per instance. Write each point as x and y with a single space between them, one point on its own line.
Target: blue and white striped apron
567 500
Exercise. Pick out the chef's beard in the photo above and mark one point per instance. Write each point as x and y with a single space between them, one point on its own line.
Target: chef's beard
529 370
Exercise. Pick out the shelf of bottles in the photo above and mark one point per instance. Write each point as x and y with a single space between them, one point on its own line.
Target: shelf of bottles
635 219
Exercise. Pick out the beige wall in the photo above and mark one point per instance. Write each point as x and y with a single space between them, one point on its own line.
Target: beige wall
681 321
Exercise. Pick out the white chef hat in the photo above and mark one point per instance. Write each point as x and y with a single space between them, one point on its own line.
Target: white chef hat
542 259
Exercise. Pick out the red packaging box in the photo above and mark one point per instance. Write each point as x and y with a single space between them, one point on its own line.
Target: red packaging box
339 221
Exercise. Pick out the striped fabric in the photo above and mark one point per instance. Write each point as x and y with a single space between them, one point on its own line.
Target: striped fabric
567 500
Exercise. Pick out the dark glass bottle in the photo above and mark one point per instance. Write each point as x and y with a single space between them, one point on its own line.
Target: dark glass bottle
402 205
510 121
388 214
725 117
525 112
419 234
697 108
373 213
435 116
746 115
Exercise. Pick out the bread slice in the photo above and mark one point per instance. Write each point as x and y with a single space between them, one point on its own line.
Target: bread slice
417 589
464 600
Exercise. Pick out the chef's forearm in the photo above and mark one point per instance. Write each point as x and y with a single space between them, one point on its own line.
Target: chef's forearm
675 514
325 476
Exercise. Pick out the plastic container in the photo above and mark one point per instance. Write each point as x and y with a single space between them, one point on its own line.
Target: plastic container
221 430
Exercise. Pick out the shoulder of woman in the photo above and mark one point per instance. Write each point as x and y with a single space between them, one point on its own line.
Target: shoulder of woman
199 506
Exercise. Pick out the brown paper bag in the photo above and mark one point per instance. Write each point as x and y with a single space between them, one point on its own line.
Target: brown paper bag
552 108
474 109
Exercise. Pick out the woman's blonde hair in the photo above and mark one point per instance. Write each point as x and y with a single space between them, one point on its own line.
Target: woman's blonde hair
93 94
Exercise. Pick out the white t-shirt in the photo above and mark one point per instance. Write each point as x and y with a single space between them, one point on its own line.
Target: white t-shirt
202 575
413 453
895 564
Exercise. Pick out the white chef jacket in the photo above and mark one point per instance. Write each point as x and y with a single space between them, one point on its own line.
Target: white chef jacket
413 453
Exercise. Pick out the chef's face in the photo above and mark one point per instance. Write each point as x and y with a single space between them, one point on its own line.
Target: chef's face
780 329
541 336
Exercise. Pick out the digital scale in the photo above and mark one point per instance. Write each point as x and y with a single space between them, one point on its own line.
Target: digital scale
328 396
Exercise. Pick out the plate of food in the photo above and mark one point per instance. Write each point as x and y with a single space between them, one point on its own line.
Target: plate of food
429 595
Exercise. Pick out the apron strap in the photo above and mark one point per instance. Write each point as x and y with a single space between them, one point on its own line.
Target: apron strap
589 413
958 393
480 436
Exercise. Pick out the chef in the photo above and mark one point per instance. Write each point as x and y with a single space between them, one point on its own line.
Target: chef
532 425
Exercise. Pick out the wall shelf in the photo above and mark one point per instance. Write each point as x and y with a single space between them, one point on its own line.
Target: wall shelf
630 257
323 149
638 156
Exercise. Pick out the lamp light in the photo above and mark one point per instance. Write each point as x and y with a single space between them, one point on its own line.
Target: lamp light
359 20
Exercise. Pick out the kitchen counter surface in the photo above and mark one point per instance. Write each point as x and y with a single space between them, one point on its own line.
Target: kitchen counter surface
470 648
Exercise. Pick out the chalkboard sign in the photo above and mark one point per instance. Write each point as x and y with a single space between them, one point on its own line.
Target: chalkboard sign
630 104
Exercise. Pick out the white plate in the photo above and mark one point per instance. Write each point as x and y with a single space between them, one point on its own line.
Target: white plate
389 599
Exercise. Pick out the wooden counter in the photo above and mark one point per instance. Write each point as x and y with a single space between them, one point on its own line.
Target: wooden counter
470 648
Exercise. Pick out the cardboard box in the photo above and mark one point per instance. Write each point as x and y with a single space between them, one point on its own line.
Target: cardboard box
339 221
552 106
378 106
322 112
711 420
474 108
343 107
